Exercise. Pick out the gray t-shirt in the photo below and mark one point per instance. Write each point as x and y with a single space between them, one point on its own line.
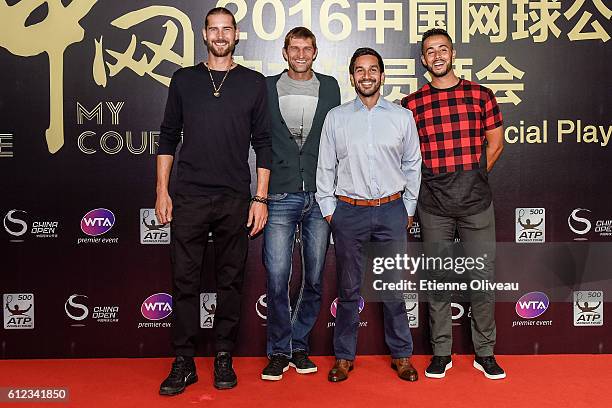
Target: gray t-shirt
298 101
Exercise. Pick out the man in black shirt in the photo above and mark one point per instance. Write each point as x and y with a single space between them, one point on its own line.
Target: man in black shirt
221 108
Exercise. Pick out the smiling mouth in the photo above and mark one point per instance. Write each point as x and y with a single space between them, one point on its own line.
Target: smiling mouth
439 64
366 83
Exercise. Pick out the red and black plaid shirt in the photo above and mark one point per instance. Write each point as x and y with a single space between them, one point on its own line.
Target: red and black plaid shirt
451 125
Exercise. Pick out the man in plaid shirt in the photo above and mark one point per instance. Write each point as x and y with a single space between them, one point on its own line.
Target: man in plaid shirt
461 136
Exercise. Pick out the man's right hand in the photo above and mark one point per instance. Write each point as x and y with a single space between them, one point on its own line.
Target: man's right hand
163 208
328 219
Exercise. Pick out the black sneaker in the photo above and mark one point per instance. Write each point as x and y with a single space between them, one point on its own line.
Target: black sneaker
276 367
438 366
489 367
225 377
182 374
301 363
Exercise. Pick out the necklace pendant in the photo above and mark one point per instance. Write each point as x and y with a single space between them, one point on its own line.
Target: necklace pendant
217 94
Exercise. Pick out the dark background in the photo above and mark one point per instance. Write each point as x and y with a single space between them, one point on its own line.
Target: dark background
563 80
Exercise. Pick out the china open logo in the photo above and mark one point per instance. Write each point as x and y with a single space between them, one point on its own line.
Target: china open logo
97 222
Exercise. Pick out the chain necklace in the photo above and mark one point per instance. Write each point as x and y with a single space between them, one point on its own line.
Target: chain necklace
217 91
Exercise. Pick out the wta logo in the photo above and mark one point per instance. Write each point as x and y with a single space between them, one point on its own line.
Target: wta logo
532 305
97 222
157 306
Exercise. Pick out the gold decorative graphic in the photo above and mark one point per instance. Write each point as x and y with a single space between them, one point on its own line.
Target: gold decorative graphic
161 52
52 36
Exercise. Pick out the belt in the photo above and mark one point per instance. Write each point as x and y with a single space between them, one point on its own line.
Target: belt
375 202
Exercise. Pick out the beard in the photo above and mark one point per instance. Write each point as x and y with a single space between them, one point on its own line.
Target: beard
300 68
439 74
224 52
367 92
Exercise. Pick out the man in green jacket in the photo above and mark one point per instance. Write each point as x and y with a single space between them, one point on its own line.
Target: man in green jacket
299 100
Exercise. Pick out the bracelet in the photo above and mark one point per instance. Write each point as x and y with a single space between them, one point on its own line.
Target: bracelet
259 199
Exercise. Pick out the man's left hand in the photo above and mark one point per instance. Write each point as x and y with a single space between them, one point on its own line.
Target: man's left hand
258 216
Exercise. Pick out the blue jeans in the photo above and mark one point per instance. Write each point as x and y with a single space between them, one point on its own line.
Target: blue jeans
288 330
353 227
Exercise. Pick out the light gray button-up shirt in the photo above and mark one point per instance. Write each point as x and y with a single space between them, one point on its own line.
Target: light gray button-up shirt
368 154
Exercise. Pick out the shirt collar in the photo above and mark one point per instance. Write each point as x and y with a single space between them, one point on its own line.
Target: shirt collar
381 103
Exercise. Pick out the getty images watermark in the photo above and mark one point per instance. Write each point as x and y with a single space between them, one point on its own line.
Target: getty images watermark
402 264
464 271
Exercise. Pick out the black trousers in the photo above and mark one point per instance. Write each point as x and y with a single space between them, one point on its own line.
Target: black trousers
193 218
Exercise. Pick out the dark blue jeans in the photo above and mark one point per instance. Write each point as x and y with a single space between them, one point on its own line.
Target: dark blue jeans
353 227
288 330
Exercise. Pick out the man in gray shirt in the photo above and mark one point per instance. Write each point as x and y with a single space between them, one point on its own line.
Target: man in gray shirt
368 178
298 100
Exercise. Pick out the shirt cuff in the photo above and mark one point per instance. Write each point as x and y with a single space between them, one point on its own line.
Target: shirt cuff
327 205
263 158
165 148
410 206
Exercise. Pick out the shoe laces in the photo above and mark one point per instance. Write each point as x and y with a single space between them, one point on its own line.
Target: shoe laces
278 362
223 361
438 360
178 369
300 357
489 361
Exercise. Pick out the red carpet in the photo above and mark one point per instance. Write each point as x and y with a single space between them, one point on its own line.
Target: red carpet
533 381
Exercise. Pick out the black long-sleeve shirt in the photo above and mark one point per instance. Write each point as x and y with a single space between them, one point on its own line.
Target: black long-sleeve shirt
217 132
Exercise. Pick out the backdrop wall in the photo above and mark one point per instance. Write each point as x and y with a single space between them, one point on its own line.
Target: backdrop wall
84 85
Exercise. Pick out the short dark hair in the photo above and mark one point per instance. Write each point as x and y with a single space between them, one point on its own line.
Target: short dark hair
360 52
300 32
219 10
435 31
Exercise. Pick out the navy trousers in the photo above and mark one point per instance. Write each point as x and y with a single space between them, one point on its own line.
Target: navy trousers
352 228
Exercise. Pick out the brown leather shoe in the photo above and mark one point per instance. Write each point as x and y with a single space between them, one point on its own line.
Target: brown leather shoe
340 370
404 369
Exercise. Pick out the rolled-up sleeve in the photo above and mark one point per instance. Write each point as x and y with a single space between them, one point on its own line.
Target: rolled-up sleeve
261 139
326 168
411 166
172 125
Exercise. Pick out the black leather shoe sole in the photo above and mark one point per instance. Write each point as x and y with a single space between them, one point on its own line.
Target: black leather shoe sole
176 391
